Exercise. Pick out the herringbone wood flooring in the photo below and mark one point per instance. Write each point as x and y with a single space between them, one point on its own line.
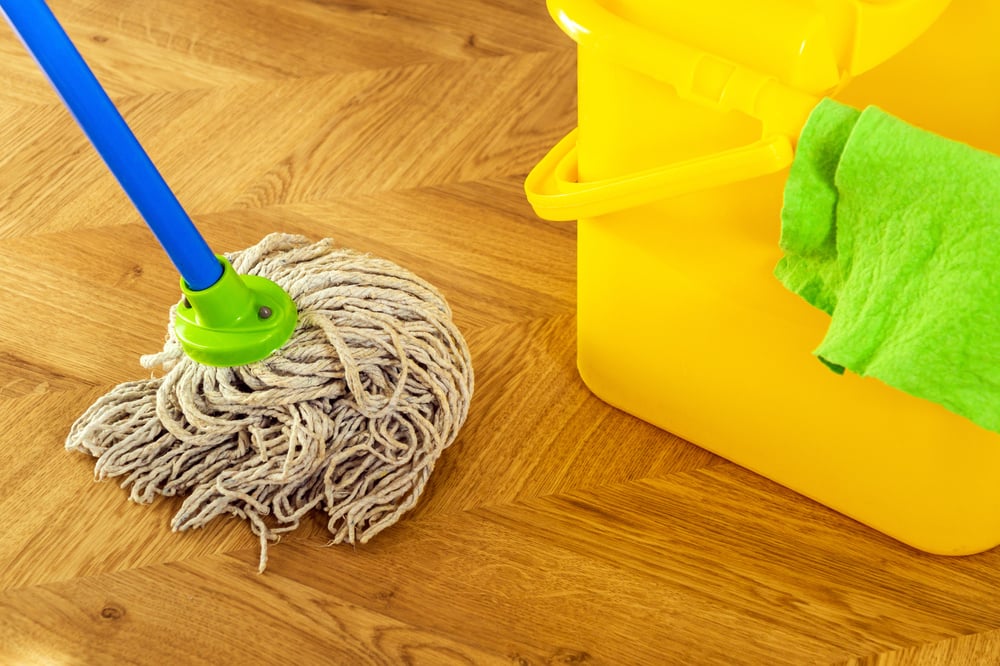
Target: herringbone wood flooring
555 530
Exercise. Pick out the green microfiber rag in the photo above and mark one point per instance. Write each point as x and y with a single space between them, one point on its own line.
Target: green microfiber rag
895 232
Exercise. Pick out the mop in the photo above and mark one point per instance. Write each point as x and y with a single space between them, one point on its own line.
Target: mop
296 375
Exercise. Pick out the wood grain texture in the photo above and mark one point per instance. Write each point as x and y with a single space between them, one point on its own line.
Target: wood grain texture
556 530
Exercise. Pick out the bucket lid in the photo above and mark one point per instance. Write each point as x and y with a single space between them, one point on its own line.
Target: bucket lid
726 52
879 29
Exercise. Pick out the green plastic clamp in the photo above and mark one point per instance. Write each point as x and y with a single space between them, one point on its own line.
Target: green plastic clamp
238 320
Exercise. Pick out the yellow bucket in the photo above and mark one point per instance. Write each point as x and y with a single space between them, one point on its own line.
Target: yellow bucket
688 118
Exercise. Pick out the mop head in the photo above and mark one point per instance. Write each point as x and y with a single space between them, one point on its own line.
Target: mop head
349 417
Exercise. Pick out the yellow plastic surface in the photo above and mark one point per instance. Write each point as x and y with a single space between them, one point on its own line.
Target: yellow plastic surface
678 184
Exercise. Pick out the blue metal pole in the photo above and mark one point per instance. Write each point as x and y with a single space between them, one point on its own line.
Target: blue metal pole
83 95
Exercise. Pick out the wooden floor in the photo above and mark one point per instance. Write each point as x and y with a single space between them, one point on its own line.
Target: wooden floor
556 530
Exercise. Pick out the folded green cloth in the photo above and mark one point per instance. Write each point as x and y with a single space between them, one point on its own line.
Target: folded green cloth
895 232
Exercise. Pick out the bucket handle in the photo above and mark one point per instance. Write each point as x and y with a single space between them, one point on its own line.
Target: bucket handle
553 186
555 193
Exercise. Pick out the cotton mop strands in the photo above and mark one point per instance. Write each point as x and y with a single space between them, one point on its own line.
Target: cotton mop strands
349 416
305 376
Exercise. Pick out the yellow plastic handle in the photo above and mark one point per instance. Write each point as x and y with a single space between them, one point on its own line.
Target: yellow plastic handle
554 192
847 35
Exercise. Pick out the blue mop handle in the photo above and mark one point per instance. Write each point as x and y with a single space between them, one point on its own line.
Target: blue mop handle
82 94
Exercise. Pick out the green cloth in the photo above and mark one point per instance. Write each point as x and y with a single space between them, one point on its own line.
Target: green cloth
895 232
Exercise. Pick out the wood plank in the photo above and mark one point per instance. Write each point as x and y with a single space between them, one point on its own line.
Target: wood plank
216 615
972 649
363 133
149 47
